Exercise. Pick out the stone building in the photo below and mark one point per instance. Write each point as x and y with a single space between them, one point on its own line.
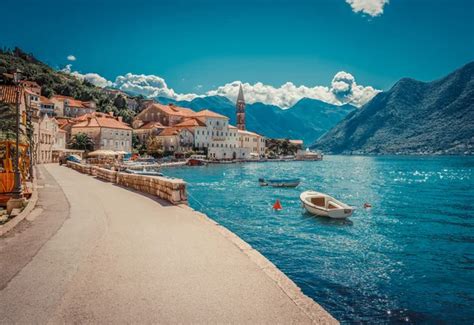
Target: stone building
46 106
217 136
176 139
167 115
45 139
106 131
147 130
65 106
255 143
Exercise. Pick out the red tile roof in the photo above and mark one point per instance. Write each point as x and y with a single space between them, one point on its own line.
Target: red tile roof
61 97
208 113
168 110
8 93
100 120
151 125
45 100
169 132
190 122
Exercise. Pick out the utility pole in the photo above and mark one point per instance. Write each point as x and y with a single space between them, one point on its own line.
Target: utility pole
17 200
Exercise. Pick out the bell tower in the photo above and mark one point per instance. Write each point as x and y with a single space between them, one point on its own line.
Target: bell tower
240 109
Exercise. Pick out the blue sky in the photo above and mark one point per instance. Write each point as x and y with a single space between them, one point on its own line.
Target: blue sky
199 45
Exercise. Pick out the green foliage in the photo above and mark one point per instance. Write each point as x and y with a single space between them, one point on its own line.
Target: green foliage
7 121
55 82
120 102
81 141
154 147
281 147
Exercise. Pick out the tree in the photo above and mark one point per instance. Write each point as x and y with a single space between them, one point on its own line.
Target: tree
120 102
127 115
154 147
135 141
81 141
8 120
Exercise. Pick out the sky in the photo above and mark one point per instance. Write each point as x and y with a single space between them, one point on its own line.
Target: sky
339 51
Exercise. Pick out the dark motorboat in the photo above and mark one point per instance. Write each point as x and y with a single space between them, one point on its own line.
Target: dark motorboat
288 182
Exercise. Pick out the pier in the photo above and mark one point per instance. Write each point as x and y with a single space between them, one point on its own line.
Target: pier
96 252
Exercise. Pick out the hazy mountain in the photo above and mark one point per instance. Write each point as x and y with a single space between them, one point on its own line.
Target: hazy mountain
308 119
412 117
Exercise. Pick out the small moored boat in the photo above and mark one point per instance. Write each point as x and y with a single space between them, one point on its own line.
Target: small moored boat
325 205
143 172
291 182
197 160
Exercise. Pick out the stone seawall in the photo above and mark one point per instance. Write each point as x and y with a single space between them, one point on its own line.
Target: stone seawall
171 190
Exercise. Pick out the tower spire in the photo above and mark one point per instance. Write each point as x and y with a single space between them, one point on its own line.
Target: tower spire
240 109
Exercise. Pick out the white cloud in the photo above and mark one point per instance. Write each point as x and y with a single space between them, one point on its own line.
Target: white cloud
93 78
149 86
343 89
71 57
370 7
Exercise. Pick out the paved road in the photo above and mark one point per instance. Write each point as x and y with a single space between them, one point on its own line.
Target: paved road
97 253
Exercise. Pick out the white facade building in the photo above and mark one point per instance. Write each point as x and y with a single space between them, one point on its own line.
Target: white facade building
220 138
254 142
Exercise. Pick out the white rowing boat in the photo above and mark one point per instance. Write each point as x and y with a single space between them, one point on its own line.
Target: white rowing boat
325 205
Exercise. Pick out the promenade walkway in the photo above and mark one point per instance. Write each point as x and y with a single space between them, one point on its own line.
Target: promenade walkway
105 254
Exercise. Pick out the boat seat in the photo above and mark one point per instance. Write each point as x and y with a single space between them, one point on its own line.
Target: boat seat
332 206
319 201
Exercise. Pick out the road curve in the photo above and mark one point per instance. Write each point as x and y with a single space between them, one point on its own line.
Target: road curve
123 257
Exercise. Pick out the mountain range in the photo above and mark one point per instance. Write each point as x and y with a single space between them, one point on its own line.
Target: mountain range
413 117
307 120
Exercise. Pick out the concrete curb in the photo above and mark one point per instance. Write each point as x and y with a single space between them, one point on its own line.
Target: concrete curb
5 228
313 310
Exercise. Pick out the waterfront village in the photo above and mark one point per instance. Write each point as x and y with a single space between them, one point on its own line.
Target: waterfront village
60 127
37 131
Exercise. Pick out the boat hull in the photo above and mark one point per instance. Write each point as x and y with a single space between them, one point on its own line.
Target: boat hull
280 182
196 162
342 211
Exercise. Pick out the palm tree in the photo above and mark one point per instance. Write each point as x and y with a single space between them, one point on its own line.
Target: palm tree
82 141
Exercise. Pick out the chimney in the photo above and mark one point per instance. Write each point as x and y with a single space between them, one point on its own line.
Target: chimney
120 118
111 113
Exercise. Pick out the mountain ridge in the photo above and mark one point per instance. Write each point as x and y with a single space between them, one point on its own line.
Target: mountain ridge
413 117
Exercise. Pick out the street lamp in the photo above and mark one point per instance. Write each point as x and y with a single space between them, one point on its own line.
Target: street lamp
17 190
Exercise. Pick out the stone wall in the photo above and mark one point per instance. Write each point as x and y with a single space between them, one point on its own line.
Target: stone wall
171 190
106 175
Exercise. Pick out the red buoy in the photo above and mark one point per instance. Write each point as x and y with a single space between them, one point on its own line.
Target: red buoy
277 206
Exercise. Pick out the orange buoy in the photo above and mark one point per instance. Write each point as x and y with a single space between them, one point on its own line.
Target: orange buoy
367 205
277 206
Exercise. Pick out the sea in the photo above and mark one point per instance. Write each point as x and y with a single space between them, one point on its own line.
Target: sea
408 259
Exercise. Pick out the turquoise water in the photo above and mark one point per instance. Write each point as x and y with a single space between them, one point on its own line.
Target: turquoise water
408 259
